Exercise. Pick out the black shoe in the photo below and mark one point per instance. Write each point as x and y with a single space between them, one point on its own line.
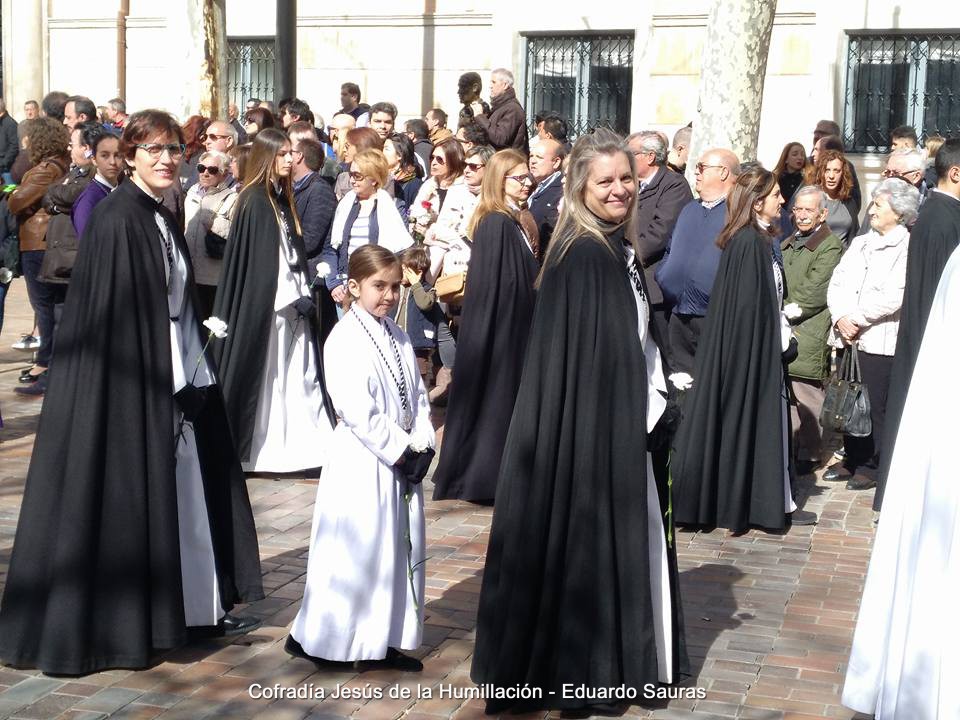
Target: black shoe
803 517
805 467
292 647
239 624
34 389
861 482
837 473
29 378
404 663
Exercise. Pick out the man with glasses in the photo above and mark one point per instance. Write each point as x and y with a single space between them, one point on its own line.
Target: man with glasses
546 162
809 257
661 195
909 166
690 261
219 136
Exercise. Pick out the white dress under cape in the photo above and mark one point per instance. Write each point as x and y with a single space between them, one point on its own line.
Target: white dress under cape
291 430
905 661
358 601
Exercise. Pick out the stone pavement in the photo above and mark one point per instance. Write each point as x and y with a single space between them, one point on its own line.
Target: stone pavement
769 618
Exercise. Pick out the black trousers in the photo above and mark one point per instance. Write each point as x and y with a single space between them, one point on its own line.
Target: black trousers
684 334
863 453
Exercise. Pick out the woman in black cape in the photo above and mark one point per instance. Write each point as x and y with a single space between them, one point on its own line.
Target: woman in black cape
497 309
271 364
580 584
135 521
730 468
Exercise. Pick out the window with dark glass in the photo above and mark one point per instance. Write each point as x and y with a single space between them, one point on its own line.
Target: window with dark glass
585 78
901 78
250 69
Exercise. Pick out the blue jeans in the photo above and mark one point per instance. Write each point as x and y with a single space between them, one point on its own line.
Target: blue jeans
43 297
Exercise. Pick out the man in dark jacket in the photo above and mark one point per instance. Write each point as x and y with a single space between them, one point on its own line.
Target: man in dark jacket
506 123
313 196
9 142
546 160
661 195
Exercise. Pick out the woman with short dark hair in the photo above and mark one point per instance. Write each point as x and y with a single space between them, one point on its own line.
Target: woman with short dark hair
406 172
135 523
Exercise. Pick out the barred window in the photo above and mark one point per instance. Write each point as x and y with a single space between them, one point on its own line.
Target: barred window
901 78
587 78
250 69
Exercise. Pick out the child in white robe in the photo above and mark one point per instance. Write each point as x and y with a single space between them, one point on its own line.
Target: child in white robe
360 602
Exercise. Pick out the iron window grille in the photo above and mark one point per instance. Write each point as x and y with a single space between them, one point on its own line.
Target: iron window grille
587 78
901 78
250 69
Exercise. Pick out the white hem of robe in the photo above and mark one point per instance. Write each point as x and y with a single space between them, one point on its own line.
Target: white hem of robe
905 658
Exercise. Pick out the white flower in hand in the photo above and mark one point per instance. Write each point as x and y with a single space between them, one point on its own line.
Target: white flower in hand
681 381
323 269
791 311
216 326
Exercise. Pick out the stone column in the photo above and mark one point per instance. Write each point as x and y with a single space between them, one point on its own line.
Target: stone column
23 54
199 64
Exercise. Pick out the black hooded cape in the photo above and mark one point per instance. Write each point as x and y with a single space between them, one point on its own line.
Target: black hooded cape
497 310
566 586
728 465
245 297
933 239
95 579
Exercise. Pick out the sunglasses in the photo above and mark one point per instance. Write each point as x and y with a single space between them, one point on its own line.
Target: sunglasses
212 136
475 166
702 166
438 159
212 169
522 179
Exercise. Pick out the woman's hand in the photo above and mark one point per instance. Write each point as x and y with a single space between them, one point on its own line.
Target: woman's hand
339 293
848 329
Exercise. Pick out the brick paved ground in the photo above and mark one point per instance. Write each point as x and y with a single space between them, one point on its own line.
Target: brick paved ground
769 617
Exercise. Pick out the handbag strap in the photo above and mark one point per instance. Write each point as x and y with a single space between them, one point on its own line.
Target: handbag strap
855 362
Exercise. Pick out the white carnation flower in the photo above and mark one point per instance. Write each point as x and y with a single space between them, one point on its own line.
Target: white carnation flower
323 269
791 311
216 326
681 381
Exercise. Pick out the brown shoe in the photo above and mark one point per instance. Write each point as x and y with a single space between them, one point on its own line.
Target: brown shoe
860 482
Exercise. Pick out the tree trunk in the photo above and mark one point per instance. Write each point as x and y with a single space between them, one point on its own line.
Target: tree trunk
201 27
731 78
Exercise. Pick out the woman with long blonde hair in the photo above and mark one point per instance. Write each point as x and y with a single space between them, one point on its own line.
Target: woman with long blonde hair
270 363
497 309
578 529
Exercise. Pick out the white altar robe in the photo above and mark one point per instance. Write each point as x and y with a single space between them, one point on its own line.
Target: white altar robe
291 430
358 599
905 660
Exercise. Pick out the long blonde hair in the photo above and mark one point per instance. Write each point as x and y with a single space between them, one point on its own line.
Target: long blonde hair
492 196
576 219
261 172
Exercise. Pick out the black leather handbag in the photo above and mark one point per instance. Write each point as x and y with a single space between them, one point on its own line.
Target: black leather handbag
846 402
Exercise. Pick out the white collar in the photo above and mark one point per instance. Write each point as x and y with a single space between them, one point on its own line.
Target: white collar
103 181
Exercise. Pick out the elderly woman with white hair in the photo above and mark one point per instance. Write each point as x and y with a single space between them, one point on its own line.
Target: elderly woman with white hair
208 209
864 297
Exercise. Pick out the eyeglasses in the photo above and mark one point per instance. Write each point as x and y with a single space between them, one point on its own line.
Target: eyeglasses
155 150
438 159
522 179
213 137
212 169
476 166
357 176
701 167
896 174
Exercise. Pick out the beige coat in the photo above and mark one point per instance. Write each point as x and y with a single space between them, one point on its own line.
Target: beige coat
212 211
